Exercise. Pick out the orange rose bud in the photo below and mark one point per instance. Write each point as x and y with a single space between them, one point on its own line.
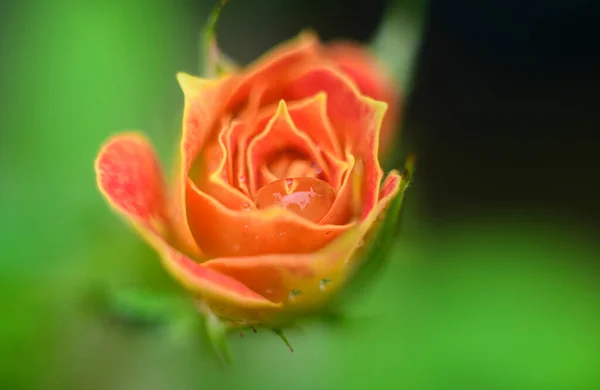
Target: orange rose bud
279 181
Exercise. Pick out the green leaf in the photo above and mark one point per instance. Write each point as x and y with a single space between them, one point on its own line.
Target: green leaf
214 61
136 307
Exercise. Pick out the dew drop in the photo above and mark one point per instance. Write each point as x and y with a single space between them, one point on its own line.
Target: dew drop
242 179
323 283
308 197
293 294
246 206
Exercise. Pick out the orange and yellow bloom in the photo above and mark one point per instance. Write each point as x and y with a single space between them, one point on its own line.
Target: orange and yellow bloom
279 180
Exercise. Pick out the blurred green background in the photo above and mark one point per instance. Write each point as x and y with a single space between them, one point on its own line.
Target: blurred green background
493 284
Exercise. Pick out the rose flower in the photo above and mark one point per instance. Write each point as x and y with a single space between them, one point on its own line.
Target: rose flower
278 185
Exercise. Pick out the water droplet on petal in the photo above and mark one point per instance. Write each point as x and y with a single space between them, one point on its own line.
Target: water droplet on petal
293 294
324 283
246 206
308 197
242 179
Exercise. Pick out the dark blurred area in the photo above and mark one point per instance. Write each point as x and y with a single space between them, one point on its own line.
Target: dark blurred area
506 104
495 280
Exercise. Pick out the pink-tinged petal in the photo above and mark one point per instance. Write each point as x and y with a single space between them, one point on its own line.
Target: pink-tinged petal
390 185
273 68
373 80
305 281
226 296
224 232
130 178
355 117
279 134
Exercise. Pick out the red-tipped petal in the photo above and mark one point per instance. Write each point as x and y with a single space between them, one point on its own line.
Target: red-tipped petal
224 232
227 297
131 180
355 117
273 68
372 80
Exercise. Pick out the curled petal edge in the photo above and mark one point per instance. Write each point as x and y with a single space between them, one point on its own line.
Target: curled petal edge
200 280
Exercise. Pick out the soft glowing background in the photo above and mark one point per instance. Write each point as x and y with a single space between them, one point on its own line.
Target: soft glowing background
494 283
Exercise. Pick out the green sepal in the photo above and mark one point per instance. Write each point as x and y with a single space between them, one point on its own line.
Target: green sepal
217 330
215 63
380 243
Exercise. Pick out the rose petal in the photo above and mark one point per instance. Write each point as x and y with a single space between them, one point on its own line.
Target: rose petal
224 232
201 107
341 209
372 80
272 69
355 117
310 116
130 178
279 134
243 133
305 280
211 173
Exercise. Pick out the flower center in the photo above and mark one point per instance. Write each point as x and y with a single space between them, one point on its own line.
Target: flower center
308 197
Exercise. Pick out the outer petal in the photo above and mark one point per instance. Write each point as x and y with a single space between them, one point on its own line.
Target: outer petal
355 117
273 69
129 177
372 80
301 281
199 116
